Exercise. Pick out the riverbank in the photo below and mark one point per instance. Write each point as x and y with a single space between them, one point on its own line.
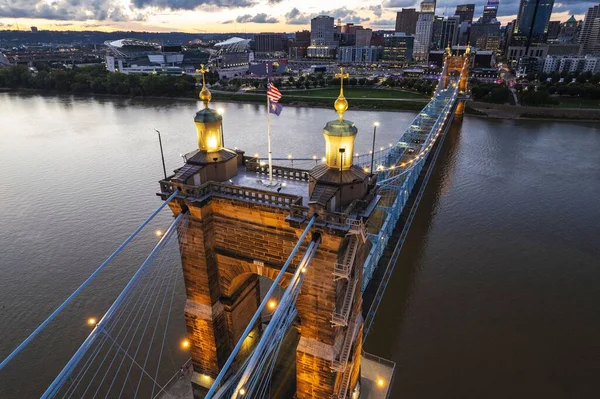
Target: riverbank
380 104
503 111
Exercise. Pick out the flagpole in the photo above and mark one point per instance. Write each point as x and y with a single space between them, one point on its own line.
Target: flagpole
269 132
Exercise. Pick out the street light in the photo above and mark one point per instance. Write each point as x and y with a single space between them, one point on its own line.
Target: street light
375 125
162 156
221 111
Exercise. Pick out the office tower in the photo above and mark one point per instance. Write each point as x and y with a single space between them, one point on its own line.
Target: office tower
465 12
406 21
363 37
590 32
553 30
485 36
398 47
490 11
436 35
531 27
450 27
268 42
423 31
321 31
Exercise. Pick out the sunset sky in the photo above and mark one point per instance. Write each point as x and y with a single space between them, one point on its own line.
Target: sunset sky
230 15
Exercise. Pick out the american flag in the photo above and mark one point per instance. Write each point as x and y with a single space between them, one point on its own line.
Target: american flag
273 93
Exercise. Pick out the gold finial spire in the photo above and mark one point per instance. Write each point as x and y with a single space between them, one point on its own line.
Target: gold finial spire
448 50
205 95
341 104
468 49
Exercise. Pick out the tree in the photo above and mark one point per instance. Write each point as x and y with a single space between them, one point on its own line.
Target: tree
542 76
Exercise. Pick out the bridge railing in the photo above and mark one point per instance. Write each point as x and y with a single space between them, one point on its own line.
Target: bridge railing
231 191
258 166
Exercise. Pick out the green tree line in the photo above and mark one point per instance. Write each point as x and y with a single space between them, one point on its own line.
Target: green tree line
97 80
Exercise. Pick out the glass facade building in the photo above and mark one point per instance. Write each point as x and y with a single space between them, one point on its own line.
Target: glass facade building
532 21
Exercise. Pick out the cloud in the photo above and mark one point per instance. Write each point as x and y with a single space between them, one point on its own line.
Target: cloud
103 10
377 10
384 23
65 10
260 18
296 17
274 1
401 3
229 21
192 4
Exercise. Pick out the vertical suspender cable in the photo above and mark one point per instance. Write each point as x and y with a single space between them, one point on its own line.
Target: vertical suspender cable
83 285
68 369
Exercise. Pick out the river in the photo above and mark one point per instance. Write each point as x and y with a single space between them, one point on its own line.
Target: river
494 295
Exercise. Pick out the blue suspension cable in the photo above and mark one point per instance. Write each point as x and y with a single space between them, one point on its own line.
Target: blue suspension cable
83 285
113 327
68 369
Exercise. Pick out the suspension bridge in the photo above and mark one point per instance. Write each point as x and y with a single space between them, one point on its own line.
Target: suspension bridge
318 235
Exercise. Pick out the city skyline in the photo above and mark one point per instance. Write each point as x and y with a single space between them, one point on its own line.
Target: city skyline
227 16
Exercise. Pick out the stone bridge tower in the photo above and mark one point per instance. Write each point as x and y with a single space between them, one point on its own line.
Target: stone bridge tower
457 66
237 233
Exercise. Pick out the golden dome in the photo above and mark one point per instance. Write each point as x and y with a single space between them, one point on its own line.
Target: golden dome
205 96
341 105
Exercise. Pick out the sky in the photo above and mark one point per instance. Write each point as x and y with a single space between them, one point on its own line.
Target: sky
247 16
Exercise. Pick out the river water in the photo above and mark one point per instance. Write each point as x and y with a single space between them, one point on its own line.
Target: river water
494 295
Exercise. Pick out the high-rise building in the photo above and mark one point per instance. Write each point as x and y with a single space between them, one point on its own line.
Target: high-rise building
531 28
465 12
322 38
268 42
590 32
570 30
406 21
398 47
424 30
450 27
303 38
321 31
490 11
436 35
363 37
553 30
485 36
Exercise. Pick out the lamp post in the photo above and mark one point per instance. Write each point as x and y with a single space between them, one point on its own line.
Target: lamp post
221 111
375 124
162 155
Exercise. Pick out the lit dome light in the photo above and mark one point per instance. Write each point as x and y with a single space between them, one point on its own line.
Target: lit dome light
158 233
272 304
380 382
376 124
289 156
283 184
185 343
91 321
314 157
242 391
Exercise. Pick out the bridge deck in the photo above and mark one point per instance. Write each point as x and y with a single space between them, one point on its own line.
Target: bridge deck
287 185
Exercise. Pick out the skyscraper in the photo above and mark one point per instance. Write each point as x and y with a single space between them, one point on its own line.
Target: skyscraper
465 12
490 11
406 21
321 31
424 30
531 27
450 28
590 32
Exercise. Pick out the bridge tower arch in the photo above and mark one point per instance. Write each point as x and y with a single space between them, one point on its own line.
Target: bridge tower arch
457 66
237 233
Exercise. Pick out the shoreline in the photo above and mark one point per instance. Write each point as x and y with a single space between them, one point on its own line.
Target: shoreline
475 109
